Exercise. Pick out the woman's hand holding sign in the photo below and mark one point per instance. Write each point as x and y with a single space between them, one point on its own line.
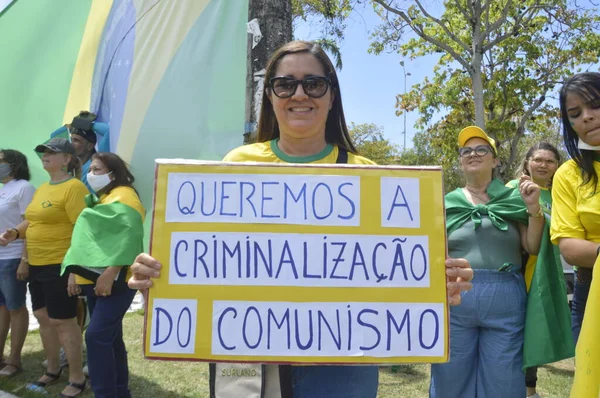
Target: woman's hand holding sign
459 275
143 270
458 272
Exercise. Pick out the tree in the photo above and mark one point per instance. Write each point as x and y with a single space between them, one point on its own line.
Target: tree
369 141
498 61
436 146
274 18
329 16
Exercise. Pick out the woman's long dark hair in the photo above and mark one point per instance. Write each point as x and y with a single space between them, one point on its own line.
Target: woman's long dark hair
122 177
587 86
19 169
336 131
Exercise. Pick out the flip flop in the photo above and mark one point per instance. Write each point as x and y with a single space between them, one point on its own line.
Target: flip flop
79 386
8 374
52 376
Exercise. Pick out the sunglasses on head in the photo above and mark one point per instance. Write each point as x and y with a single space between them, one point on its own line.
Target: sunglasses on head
480 151
313 86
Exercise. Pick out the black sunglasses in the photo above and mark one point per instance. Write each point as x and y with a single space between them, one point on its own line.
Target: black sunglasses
480 151
313 86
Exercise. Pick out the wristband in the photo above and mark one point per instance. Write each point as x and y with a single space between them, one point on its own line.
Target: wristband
538 214
17 231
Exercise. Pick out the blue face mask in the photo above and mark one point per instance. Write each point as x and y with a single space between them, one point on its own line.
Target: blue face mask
5 170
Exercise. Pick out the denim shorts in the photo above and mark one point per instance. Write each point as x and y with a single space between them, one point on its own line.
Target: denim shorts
12 290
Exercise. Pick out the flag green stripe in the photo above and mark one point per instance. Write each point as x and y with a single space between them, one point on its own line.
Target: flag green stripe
39 46
105 235
548 336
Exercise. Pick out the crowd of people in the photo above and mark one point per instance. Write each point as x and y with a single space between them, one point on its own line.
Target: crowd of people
60 238
71 238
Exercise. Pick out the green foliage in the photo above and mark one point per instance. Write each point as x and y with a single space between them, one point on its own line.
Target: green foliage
329 17
370 143
518 51
437 146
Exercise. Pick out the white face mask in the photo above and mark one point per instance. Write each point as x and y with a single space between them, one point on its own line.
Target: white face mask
98 182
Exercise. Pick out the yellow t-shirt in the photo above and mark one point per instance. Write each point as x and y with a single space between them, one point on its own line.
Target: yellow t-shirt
126 196
51 215
575 211
269 152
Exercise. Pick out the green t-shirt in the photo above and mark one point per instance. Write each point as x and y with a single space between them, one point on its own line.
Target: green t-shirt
486 247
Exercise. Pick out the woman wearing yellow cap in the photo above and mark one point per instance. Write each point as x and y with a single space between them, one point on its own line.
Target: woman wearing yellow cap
488 224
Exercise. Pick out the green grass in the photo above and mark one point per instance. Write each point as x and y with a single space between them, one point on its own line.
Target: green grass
190 379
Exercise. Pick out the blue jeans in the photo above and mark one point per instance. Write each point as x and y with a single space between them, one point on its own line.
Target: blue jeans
581 291
335 381
107 356
486 341
12 290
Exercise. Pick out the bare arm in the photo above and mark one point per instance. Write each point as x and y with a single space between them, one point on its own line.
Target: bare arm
531 235
579 252
18 232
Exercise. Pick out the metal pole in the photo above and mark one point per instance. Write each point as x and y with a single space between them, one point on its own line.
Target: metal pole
404 112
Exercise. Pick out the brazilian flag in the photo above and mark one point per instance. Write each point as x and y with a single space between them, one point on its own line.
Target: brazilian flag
105 235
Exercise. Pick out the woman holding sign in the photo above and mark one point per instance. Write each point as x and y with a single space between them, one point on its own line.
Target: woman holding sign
302 121
107 237
576 219
488 224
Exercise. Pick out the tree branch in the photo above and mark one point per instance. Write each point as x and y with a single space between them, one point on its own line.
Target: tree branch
419 31
502 18
464 11
515 29
455 38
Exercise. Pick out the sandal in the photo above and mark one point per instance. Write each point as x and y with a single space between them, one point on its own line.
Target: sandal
52 376
10 373
79 386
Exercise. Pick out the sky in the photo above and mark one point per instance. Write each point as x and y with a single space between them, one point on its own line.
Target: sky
369 83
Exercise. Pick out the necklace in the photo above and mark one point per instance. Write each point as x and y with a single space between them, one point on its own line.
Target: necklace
481 197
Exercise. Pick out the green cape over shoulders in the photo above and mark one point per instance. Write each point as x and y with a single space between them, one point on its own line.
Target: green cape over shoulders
505 204
548 335
105 235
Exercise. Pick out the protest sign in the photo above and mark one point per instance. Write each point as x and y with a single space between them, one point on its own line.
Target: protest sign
298 264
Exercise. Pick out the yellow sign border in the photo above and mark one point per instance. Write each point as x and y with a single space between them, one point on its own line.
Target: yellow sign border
432 224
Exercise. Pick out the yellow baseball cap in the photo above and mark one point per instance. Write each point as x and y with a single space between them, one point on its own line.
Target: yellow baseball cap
475 132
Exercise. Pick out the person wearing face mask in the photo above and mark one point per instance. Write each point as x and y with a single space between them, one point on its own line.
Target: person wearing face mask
576 219
15 195
106 239
48 226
